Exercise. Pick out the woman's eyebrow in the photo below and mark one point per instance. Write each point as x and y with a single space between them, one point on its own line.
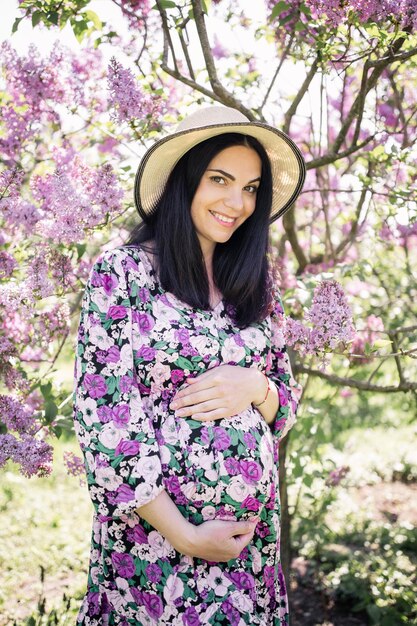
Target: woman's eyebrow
255 180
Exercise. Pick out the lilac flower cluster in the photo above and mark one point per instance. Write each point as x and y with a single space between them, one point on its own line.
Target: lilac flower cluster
128 100
35 86
33 456
75 197
330 320
336 12
74 464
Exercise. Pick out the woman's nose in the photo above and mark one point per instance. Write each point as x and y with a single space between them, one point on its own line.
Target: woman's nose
234 199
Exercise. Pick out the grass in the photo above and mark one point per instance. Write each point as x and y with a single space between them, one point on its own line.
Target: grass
45 527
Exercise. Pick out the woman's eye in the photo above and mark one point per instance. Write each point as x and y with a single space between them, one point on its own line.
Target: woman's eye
251 189
217 179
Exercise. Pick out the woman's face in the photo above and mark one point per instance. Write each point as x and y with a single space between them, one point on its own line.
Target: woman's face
225 196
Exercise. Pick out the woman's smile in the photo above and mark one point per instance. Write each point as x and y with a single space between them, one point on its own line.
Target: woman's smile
223 219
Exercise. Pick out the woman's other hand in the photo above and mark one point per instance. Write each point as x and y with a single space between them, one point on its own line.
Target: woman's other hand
220 392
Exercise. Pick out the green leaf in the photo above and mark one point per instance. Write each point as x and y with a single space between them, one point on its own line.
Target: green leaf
93 17
299 26
51 411
81 248
46 390
206 4
16 24
53 17
279 8
166 4
36 18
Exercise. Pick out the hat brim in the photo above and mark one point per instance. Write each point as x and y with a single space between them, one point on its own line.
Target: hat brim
287 164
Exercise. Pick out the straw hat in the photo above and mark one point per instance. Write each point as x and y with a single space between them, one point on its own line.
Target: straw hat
287 163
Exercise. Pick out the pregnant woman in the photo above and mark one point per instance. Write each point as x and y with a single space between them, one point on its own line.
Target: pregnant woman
183 387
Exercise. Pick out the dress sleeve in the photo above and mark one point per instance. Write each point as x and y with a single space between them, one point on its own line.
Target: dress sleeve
115 432
280 373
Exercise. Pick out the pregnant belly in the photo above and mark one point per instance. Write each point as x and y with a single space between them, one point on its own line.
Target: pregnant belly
225 468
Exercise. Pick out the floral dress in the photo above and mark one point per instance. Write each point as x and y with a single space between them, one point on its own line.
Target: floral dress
136 345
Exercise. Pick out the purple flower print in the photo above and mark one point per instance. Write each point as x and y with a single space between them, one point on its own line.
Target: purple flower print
145 322
269 575
137 534
250 441
221 438
153 605
262 530
190 617
231 613
283 394
116 312
137 595
123 564
232 466
109 282
127 447
238 340
95 385
124 493
182 335
121 415
104 413
125 384
242 580
172 484
250 504
144 294
281 580
153 572
251 471
112 355
177 376
205 436
146 353
93 599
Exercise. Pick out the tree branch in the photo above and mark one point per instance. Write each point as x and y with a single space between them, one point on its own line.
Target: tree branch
280 64
300 95
356 384
289 224
331 157
222 94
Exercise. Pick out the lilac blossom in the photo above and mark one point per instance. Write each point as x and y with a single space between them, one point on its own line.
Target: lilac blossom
330 320
74 464
34 456
128 100
75 197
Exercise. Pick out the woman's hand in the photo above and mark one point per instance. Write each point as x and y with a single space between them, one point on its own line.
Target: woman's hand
219 541
220 392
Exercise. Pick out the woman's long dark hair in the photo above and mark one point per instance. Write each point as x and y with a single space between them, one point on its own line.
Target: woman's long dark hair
240 266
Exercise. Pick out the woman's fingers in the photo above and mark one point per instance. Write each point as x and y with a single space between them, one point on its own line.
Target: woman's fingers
193 398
